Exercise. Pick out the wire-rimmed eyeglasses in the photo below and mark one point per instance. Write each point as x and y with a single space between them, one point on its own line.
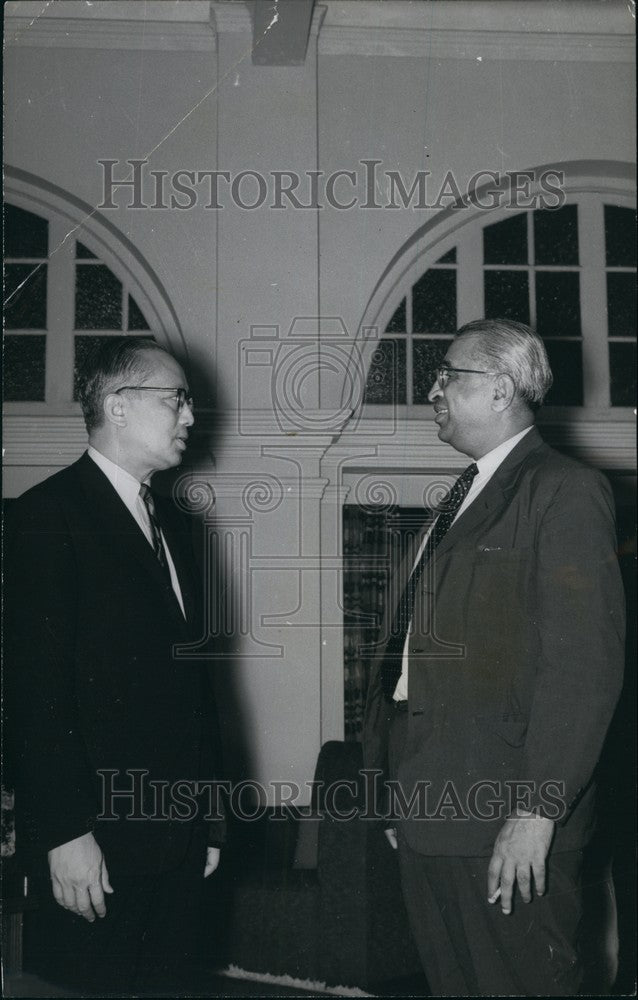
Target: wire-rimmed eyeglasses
443 373
181 396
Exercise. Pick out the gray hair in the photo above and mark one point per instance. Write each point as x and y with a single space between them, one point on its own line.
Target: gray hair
116 361
516 350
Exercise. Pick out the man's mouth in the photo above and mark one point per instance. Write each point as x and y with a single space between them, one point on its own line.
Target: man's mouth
439 411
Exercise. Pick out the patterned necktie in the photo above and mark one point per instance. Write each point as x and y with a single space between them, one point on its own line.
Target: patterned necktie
158 543
448 509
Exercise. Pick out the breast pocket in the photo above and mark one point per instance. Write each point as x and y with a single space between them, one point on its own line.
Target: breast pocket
493 553
501 572
511 727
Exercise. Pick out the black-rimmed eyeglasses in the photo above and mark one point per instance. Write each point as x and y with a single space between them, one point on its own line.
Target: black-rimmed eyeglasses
443 373
181 396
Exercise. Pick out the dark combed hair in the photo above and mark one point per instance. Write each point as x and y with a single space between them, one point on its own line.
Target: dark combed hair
116 362
516 350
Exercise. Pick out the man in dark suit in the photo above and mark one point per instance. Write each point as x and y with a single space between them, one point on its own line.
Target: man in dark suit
490 700
113 726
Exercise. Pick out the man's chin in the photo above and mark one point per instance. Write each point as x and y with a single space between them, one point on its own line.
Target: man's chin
174 462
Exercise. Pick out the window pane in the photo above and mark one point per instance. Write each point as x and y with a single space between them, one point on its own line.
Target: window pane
136 320
620 236
25 234
83 253
506 242
24 368
558 304
621 304
556 235
386 377
434 302
25 296
448 258
427 356
566 361
507 295
622 368
398 321
98 298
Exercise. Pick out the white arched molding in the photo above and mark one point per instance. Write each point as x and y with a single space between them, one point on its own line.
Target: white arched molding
106 241
40 437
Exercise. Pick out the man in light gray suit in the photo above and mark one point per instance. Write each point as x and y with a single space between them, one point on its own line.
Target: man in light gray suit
497 697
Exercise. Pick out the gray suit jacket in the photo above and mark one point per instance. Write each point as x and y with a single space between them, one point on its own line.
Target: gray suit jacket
515 660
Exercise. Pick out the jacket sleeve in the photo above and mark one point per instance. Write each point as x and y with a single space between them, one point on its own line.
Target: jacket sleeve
580 622
55 790
215 811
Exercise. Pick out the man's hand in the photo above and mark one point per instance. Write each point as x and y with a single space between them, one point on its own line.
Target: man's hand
79 877
520 848
212 860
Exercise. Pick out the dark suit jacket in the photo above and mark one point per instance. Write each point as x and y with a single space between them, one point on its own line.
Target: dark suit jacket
92 677
516 658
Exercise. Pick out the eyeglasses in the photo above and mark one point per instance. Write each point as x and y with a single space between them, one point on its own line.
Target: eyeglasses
180 395
443 373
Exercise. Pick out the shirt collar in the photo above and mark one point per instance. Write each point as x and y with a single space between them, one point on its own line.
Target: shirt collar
489 463
126 485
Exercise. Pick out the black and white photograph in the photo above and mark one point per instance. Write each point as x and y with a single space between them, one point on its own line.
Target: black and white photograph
319 498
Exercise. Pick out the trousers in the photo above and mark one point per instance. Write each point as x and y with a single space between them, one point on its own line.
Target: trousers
148 940
470 948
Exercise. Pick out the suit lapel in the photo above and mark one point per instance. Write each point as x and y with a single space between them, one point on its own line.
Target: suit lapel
119 528
495 493
491 498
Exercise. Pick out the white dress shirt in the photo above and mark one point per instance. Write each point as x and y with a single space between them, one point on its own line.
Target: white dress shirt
487 466
127 488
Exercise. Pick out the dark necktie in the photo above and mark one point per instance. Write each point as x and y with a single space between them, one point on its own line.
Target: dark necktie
158 543
448 509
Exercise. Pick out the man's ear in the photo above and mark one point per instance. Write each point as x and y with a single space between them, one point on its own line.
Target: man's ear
114 409
504 391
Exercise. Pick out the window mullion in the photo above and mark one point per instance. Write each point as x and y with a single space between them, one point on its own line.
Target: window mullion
531 271
593 298
60 314
470 291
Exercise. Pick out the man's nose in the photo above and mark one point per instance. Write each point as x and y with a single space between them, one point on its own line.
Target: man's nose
435 391
186 416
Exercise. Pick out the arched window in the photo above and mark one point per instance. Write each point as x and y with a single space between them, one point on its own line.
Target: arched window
71 279
39 298
570 272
